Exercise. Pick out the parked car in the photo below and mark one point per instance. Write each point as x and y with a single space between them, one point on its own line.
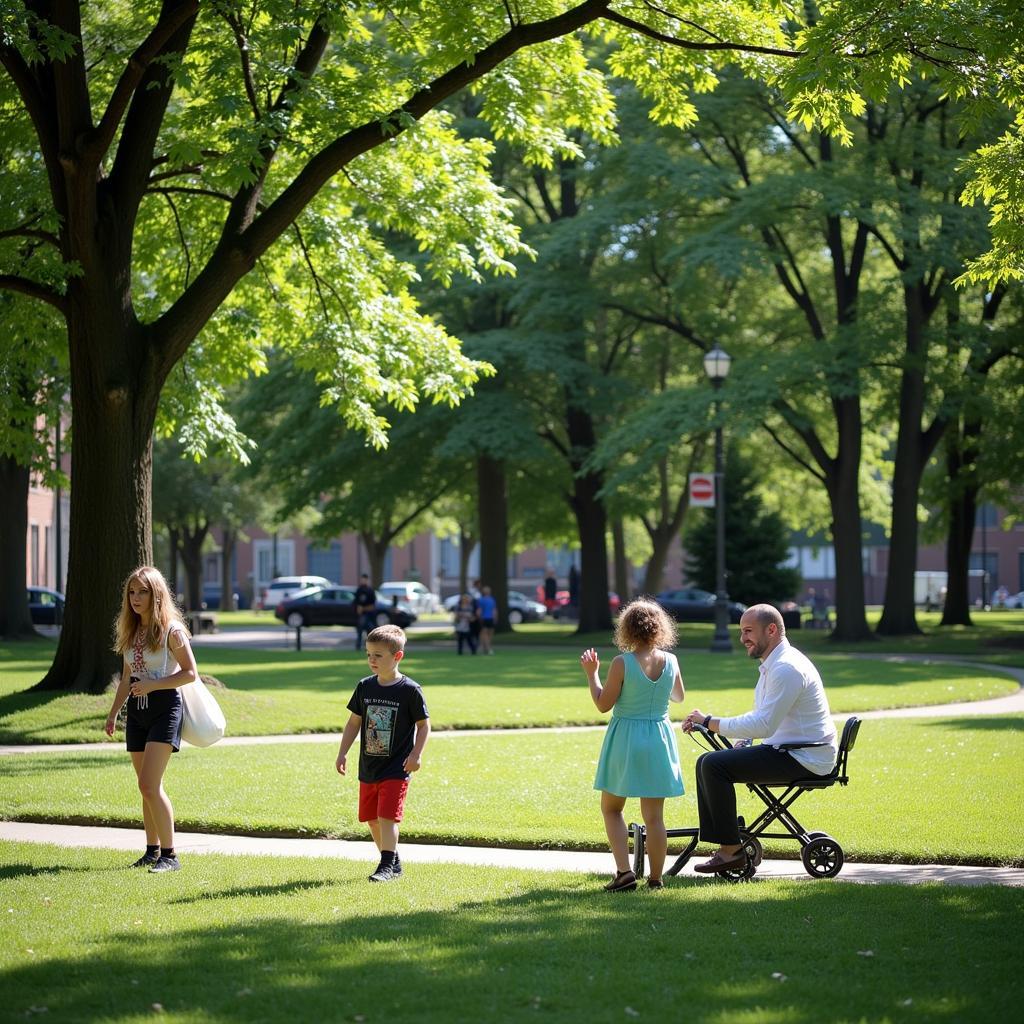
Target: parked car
46 606
520 607
408 592
284 587
690 604
211 597
561 610
335 606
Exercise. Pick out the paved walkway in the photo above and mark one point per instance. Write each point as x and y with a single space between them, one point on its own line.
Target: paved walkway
542 860
131 840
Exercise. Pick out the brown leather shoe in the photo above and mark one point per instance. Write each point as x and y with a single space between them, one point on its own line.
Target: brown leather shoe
718 863
624 881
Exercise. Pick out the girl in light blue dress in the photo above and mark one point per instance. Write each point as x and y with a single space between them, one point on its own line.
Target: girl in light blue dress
639 757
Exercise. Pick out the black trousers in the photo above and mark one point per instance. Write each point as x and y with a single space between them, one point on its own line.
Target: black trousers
719 771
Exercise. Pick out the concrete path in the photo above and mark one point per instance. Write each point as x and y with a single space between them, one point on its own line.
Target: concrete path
1012 703
131 841
543 860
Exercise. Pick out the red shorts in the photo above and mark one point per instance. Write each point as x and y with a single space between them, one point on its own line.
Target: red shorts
385 799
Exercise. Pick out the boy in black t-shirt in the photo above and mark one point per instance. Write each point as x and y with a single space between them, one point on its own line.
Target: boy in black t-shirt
390 718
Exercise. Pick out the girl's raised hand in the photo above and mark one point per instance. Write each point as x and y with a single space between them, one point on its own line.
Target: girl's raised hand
589 661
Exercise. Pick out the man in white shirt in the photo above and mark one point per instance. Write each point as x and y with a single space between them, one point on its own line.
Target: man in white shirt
790 707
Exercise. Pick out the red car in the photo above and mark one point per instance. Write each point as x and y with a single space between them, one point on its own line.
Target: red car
562 601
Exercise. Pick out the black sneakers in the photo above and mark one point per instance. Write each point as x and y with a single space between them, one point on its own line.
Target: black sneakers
384 873
165 864
389 868
146 860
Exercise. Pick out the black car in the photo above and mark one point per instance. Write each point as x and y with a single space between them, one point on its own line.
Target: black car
46 606
692 605
335 606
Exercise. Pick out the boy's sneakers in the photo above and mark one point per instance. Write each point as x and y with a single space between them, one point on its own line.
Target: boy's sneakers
165 864
388 869
147 860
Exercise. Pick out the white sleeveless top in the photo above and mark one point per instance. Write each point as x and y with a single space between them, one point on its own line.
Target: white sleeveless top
147 664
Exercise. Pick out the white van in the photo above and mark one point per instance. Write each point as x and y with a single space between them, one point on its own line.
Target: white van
284 587
408 592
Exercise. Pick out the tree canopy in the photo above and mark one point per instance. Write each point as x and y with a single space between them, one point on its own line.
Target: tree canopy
188 182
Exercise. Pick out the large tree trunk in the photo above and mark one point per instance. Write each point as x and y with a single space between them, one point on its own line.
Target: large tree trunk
592 524
913 449
227 555
843 485
961 457
192 556
620 564
15 619
174 552
114 394
492 512
376 553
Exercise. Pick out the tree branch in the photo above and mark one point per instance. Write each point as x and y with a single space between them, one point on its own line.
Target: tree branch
239 249
689 44
139 62
25 286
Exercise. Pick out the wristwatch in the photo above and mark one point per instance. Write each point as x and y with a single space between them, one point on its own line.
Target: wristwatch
707 719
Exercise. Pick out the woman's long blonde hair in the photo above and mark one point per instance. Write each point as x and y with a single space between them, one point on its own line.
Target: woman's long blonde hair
164 614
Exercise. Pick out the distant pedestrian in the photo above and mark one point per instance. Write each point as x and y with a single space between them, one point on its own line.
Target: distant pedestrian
389 715
153 641
574 586
365 601
465 616
487 612
639 756
550 591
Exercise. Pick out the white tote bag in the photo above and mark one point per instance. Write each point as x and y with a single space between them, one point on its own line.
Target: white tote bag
202 721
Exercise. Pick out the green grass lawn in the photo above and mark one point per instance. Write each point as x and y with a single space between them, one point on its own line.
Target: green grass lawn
282 692
921 790
243 939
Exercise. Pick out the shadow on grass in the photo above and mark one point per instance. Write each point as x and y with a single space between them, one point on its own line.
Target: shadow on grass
28 764
978 723
281 889
570 953
9 872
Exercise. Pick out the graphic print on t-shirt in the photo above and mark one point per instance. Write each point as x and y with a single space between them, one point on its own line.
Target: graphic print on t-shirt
380 727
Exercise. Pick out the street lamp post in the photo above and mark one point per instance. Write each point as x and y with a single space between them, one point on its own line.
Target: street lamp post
716 366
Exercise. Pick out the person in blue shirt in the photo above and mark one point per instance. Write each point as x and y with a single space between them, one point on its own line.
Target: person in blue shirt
487 610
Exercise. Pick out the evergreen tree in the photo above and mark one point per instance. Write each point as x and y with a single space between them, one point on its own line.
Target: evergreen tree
756 542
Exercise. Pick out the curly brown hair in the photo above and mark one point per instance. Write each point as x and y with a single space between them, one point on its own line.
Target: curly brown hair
644 623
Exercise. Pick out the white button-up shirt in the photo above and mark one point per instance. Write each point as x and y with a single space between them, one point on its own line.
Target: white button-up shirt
790 706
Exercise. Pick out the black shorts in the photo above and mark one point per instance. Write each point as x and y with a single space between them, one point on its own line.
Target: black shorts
159 723
487 623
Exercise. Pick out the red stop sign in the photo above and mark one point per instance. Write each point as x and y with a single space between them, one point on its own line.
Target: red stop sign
702 489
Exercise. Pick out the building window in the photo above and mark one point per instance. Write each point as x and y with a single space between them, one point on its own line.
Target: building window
34 555
263 553
325 562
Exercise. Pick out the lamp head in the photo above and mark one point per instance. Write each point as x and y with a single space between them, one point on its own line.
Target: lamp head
716 364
